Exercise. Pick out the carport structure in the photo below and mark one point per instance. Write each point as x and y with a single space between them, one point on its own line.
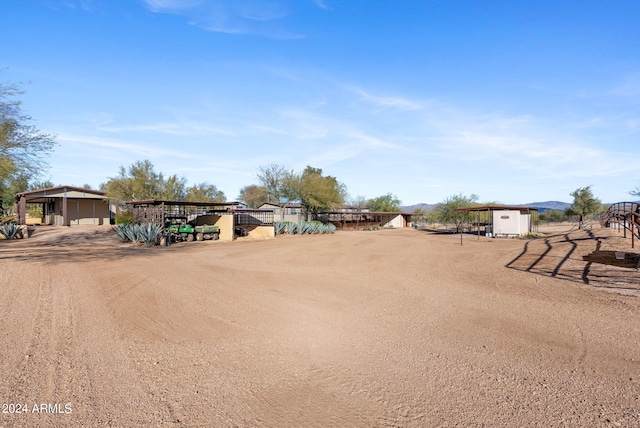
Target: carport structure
501 220
64 206
357 219
230 217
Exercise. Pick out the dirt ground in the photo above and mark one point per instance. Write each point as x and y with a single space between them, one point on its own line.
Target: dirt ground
390 328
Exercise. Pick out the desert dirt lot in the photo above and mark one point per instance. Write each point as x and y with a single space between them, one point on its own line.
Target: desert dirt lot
391 328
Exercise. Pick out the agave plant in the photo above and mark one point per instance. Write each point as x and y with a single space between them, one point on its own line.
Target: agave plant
126 232
10 230
303 228
120 231
326 228
148 235
281 227
312 227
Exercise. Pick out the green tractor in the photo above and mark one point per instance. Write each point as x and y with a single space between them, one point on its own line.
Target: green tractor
179 229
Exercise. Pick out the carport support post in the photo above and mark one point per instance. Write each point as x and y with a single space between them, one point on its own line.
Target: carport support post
65 212
22 209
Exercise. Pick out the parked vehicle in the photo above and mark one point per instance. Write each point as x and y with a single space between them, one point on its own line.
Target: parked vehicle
179 229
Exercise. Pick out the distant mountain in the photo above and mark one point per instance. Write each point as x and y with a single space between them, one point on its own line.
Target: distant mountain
544 206
549 205
412 208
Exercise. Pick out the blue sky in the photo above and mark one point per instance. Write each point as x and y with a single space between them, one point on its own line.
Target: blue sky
514 101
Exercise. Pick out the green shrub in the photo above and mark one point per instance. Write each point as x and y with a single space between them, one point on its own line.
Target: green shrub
531 235
124 217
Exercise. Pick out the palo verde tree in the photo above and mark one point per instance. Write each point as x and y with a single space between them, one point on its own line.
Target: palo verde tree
385 203
584 203
136 183
282 185
446 210
273 178
253 195
316 192
358 202
204 192
140 182
23 147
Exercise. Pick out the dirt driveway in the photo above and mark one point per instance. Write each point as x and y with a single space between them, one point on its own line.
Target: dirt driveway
391 328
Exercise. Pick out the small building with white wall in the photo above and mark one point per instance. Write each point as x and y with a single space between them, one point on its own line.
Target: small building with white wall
501 220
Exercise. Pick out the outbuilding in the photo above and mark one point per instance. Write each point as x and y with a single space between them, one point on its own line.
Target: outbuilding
63 206
502 220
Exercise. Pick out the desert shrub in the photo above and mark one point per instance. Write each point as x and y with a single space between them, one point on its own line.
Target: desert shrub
124 217
9 219
35 210
531 235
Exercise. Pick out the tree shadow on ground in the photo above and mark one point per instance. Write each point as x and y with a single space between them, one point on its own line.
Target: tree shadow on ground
58 245
584 257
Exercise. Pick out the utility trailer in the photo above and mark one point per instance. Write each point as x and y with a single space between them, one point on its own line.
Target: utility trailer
179 229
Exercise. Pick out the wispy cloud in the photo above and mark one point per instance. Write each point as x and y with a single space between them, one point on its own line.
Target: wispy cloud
268 130
382 101
253 17
321 4
523 143
629 88
173 128
117 148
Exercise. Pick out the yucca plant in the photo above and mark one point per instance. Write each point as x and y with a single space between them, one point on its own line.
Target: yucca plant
10 230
